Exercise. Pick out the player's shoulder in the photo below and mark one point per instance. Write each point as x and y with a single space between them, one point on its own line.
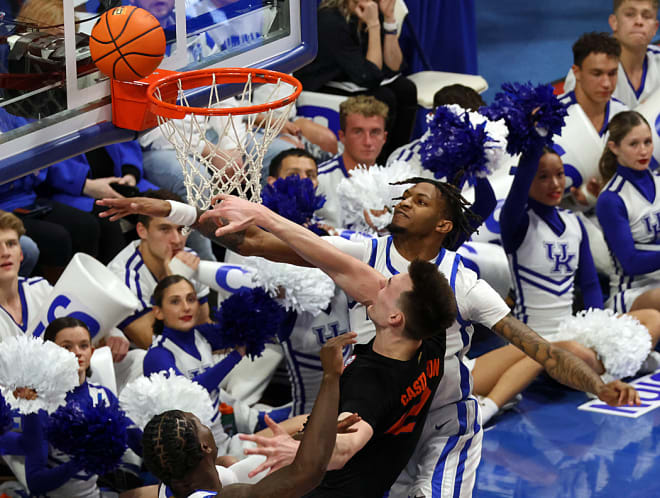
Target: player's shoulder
330 165
127 259
34 284
654 52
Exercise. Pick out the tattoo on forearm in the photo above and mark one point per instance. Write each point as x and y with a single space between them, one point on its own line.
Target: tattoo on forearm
562 365
232 241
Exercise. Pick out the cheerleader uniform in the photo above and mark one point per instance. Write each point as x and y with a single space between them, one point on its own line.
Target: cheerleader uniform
629 212
548 251
53 473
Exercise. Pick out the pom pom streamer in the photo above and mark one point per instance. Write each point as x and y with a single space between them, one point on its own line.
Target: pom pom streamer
6 418
370 189
515 104
462 145
146 397
29 362
305 289
249 318
93 435
621 342
293 198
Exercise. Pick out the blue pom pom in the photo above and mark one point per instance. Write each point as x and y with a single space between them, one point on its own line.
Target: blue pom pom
515 104
293 198
94 436
454 148
249 318
6 418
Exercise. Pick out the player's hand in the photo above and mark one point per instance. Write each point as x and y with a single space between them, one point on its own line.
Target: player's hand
121 207
129 180
279 450
345 425
332 353
25 393
387 8
231 214
118 347
100 188
617 393
367 12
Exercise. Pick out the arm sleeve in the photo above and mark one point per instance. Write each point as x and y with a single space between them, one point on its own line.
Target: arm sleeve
11 443
484 204
513 218
40 478
68 176
613 217
158 360
586 274
126 158
346 53
361 250
210 379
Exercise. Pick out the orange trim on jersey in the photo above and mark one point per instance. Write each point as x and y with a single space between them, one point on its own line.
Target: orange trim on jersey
399 426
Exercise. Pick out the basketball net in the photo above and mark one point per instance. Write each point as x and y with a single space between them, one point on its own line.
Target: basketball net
224 154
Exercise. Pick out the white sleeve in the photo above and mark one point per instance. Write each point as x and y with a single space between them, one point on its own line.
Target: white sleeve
359 249
478 301
242 468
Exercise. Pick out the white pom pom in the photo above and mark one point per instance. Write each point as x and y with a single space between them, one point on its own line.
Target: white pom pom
622 343
305 289
370 189
47 368
145 397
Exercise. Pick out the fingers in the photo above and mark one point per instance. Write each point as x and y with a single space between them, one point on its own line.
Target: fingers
257 470
219 198
227 229
342 340
260 440
273 426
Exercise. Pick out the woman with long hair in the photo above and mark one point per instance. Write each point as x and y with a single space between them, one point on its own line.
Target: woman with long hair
628 209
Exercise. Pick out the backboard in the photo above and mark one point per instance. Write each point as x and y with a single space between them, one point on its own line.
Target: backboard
64 109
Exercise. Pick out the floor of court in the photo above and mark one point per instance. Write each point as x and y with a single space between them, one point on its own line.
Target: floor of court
546 447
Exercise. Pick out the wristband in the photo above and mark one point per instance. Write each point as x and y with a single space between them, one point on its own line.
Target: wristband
392 32
181 214
389 26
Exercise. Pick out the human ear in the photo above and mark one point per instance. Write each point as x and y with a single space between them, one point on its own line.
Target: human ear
444 226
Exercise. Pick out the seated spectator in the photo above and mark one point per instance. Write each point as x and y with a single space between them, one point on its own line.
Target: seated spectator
144 263
359 53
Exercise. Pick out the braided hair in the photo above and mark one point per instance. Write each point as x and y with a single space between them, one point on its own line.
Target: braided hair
171 447
465 221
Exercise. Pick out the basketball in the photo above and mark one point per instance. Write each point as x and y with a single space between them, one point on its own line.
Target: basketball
127 43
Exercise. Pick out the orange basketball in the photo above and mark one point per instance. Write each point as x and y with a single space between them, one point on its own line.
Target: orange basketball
127 43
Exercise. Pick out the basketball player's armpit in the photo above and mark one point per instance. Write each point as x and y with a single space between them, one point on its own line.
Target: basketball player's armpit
561 365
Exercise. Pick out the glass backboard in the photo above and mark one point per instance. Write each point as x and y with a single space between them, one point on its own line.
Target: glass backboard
54 104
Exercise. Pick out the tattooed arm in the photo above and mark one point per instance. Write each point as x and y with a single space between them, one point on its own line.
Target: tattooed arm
564 366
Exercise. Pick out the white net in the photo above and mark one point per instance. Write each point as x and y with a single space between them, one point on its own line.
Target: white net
224 154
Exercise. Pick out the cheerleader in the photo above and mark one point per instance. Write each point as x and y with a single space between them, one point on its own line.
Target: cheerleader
628 209
178 345
50 471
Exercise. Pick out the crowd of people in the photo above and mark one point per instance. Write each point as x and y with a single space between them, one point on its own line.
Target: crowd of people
373 327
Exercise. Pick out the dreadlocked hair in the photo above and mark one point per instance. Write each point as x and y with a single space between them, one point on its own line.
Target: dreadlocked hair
170 446
457 208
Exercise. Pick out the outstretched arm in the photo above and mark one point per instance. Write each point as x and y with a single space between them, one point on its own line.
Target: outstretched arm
249 242
308 468
564 366
356 278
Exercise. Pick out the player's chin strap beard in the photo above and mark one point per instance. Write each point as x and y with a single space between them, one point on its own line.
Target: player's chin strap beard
395 229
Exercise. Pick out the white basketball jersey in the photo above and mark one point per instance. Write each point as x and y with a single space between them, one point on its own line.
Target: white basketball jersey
330 174
302 348
624 90
543 271
33 293
579 144
129 266
82 484
476 301
644 219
